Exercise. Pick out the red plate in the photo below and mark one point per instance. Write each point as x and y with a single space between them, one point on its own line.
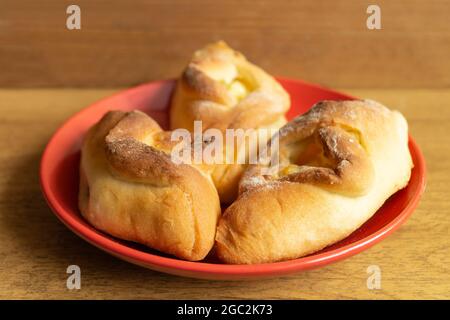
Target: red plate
59 182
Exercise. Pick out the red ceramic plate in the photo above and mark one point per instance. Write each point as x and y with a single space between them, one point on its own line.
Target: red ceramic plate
59 182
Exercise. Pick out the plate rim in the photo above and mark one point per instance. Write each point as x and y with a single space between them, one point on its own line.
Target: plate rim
212 270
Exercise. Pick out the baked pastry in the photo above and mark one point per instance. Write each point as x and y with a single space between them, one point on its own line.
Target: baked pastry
223 90
338 164
130 188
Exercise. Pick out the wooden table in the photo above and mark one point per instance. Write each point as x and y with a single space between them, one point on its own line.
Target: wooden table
35 248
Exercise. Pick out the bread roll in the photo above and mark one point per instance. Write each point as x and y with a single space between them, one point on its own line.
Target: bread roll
223 90
130 188
338 164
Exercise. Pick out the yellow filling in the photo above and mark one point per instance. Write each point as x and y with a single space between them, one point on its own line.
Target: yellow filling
238 90
232 80
305 153
160 141
289 169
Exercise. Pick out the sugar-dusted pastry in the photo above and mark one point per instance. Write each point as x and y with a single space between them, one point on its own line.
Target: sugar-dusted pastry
338 164
225 91
131 189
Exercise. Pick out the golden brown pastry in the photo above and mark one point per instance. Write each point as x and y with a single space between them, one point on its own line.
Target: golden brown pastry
338 164
130 188
225 91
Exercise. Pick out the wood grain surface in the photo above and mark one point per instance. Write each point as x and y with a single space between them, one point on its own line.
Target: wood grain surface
35 248
122 43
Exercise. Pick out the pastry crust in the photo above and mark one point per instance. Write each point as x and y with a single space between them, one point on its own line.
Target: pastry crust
130 188
225 91
338 164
